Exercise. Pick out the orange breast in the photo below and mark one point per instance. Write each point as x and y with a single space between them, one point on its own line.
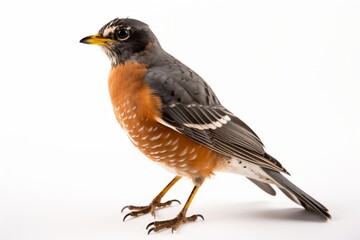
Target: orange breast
137 110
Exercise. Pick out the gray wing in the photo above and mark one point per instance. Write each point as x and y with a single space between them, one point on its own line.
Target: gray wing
192 108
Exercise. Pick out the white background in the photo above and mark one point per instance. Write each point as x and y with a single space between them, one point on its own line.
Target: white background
290 69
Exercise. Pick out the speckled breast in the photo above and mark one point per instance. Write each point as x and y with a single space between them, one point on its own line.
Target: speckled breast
137 110
164 145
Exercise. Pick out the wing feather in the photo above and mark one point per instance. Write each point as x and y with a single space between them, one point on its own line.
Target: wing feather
192 108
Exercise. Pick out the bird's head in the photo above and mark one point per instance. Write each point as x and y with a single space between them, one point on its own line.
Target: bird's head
125 39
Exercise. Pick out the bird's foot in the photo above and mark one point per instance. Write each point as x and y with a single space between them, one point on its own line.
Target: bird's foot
174 223
142 210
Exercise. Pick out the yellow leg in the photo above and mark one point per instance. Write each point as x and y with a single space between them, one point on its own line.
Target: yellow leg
166 189
155 203
179 219
188 202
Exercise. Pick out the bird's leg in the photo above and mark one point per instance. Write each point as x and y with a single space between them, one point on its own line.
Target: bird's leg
155 203
179 219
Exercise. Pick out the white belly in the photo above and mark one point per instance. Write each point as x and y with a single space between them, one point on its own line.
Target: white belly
245 168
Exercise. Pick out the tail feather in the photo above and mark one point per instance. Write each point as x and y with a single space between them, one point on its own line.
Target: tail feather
297 195
291 196
264 186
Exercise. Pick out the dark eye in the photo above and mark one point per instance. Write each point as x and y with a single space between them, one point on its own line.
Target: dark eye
123 34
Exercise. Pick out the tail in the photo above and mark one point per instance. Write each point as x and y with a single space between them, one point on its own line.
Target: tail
297 195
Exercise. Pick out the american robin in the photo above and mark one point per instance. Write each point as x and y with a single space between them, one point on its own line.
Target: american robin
173 117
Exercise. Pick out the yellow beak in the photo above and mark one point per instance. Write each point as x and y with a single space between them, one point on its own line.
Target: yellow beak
96 39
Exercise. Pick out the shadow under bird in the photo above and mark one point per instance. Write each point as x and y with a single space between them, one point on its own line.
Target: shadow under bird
174 118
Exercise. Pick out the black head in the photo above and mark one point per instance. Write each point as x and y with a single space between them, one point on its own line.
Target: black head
125 39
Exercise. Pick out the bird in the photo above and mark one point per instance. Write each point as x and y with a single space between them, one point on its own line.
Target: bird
174 118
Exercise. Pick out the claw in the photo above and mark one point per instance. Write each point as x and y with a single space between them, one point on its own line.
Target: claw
174 200
201 216
150 230
127 215
141 210
172 224
122 210
150 224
